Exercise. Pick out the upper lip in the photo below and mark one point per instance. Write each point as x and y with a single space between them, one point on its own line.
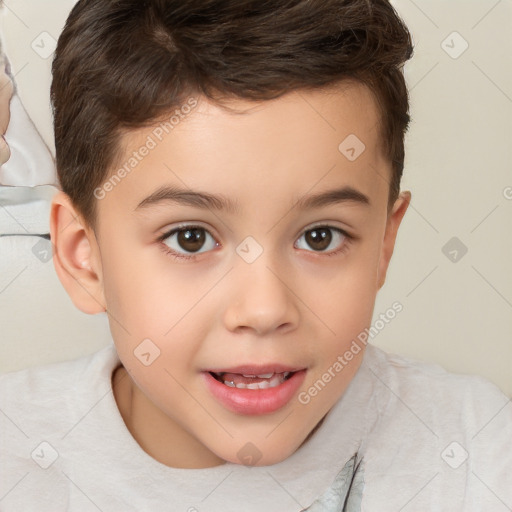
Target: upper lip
253 369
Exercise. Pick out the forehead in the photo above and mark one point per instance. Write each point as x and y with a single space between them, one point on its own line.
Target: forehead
329 114
299 141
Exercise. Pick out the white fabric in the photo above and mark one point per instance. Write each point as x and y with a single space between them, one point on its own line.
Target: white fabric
31 162
399 415
25 26
25 210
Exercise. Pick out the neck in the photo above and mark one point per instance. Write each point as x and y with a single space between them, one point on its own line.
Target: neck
157 434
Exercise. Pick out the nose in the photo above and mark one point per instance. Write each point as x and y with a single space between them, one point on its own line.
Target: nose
261 300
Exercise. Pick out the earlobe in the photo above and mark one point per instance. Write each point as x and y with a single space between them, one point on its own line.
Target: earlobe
75 256
393 223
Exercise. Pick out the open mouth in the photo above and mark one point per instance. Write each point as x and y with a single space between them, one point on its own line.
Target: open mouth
249 391
244 381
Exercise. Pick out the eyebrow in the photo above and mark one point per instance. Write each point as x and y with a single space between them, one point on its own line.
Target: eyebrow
168 193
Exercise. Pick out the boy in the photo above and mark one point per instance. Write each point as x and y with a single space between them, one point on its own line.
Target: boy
231 199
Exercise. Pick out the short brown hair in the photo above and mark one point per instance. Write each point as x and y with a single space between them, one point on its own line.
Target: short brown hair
122 64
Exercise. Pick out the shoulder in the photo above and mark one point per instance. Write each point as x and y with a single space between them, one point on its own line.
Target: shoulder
429 425
43 380
427 404
419 380
41 409
429 399
52 392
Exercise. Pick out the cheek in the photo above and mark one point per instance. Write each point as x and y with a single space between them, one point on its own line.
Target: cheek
146 299
348 294
142 289
345 305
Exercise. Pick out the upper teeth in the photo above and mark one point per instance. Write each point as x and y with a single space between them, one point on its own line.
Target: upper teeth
276 380
262 376
272 380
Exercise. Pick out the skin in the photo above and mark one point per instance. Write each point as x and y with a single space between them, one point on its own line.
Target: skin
294 304
6 92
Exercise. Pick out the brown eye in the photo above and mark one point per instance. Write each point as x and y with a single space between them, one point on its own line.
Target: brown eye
190 239
319 238
322 238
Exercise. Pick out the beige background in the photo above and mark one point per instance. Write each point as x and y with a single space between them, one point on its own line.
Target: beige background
458 167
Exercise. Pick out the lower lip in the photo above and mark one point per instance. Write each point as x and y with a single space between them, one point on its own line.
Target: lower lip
255 401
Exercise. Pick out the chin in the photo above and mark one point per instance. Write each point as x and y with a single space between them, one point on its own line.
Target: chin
250 455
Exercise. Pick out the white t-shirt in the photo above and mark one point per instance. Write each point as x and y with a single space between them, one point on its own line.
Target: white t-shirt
404 436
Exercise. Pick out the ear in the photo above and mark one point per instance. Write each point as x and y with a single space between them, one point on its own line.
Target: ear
76 256
393 222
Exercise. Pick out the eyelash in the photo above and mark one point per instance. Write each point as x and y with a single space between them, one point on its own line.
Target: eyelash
348 239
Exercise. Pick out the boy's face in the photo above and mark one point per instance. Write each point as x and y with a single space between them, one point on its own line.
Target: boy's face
272 280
